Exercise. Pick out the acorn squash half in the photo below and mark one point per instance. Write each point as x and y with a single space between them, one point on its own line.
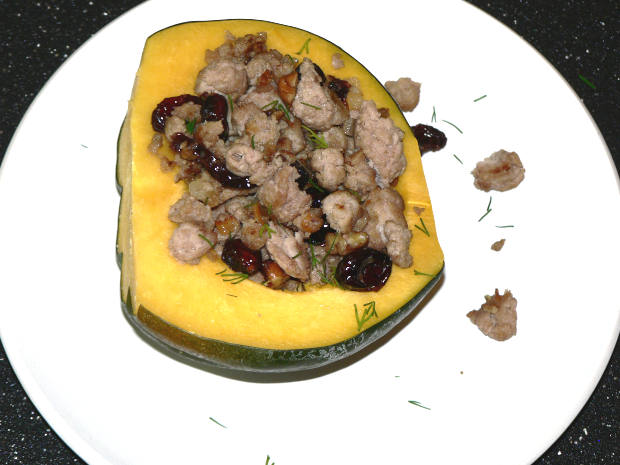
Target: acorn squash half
190 309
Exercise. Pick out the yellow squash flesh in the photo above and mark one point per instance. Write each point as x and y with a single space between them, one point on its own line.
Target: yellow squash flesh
196 299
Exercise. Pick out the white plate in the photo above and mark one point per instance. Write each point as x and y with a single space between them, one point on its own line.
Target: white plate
116 400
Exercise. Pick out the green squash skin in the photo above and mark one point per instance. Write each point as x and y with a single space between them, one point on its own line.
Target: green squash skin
235 359
213 354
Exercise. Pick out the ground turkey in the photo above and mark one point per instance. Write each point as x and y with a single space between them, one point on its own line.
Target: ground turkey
225 75
282 195
406 93
382 143
501 171
497 317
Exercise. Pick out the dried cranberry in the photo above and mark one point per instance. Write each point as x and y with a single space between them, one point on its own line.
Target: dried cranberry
304 174
177 141
429 138
216 167
240 258
308 183
340 87
364 270
164 109
215 108
318 237
317 194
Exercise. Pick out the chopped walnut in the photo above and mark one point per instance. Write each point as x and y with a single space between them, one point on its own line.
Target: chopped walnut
497 317
497 246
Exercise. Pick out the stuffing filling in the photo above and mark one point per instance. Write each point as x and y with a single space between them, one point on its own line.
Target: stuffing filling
289 172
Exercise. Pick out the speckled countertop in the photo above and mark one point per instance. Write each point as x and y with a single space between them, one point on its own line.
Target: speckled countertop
580 38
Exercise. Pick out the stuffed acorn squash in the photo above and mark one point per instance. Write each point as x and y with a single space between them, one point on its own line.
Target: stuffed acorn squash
209 313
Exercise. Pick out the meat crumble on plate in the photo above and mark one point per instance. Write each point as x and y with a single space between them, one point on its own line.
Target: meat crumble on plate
290 173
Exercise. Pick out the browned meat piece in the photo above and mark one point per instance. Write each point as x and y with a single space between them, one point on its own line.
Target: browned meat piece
253 234
287 87
262 98
406 93
263 131
175 125
188 111
382 143
187 245
360 176
313 103
208 132
342 209
337 62
501 171
275 276
243 160
387 226
282 195
210 191
243 48
329 166
336 139
225 75
295 137
242 113
289 251
497 317
191 210
497 246
309 221
273 61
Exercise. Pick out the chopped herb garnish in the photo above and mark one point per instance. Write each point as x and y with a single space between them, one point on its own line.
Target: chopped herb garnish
268 459
454 155
317 139
369 312
313 260
331 247
269 209
206 239
270 106
305 46
83 146
488 210
277 105
190 126
265 229
296 255
220 272
232 295
419 273
315 185
434 117
293 60
216 422
417 404
480 98
453 125
587 81
506 226
310 105
424 229
233 278
230 103
252 142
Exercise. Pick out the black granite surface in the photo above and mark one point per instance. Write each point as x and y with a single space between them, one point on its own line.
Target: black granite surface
580 38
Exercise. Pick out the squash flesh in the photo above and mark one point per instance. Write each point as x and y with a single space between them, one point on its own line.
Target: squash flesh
194 298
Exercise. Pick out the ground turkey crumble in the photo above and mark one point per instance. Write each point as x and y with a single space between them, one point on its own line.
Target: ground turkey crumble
290 163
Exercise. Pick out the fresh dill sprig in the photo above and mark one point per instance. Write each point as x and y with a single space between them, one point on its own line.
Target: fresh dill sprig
216 422
230 102
369 312
587 81
190 126
296 255
267 461
266 229
232 295
506 226
84 146
305 46
331 247
419 273
233 278
434 117
313 260
221 272
488 210
417 404
205 238
277 105
480 98
252 142
317 139
310 105
424 229
454 155
453 125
